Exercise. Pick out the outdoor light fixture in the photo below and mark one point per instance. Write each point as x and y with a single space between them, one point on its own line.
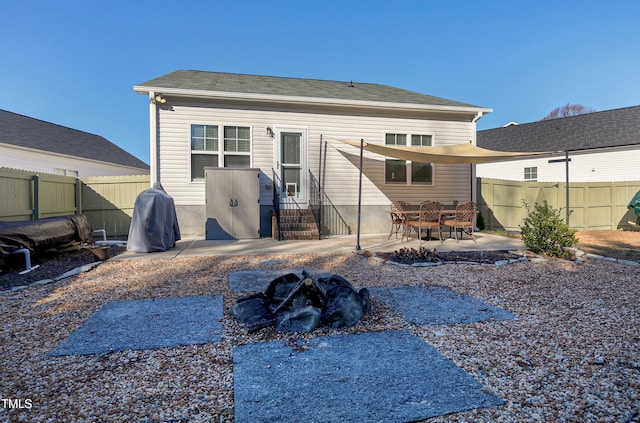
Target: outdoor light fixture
160 99
270 132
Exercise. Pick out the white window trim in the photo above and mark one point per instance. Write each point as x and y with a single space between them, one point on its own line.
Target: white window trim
524 176
220 153
65 172
409 163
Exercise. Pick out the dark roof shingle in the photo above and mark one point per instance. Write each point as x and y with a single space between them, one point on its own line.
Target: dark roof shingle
609 128
24 131
295 87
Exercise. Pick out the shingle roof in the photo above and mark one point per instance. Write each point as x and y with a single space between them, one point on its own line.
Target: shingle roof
28 132
609 128
294 87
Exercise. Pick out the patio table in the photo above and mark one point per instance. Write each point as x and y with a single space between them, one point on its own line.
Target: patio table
413 213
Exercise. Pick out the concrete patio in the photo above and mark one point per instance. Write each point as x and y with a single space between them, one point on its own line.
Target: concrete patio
347 243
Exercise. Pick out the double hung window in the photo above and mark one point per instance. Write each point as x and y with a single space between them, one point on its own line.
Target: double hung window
405 171
219 146
65 172
531 173
237 146
421 173
395 171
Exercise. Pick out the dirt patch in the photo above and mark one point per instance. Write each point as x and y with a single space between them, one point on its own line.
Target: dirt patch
51 264
623 245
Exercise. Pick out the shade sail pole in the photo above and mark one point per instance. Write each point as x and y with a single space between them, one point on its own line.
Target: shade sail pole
359 195
319 217
566 189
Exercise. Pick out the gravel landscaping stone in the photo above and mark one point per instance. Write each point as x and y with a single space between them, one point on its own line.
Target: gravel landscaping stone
571 355
258 280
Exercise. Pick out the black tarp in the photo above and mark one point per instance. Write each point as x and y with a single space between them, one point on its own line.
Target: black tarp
154 225
43 234
292 304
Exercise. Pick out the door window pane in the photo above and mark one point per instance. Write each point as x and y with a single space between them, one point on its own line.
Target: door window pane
291 148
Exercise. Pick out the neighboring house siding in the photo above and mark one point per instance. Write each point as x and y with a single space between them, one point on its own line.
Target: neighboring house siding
603 147
340 177
47 162
601 165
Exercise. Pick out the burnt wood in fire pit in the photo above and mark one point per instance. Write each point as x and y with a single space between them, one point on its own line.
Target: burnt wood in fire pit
301 305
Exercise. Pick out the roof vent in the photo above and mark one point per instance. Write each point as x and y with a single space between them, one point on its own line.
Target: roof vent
351 83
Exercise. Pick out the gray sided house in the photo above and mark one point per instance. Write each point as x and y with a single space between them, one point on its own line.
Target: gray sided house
217 138
602 147
38 146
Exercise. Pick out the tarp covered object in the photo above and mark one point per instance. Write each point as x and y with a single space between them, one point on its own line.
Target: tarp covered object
42 234
154 225
635 204
292 304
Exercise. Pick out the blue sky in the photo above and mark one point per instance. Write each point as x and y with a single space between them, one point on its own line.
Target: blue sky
74 63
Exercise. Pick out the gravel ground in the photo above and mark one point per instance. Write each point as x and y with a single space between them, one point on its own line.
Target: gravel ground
572 355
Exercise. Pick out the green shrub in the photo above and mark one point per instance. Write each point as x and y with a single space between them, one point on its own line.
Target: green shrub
480 222
544 231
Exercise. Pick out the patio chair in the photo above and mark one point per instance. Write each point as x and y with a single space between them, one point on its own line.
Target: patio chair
397 219
428 219
462 219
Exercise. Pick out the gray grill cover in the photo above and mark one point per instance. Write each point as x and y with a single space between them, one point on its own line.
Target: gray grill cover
154 225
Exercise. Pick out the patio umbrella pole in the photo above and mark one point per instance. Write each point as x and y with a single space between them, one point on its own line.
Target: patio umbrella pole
359 195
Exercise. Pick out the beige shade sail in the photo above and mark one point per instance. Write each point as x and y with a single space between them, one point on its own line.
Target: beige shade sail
448 154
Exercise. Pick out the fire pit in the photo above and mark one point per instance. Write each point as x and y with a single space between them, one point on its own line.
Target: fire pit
295 304
431 256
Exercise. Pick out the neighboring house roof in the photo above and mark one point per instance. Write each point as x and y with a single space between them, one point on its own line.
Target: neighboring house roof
609 128
27 132
201 82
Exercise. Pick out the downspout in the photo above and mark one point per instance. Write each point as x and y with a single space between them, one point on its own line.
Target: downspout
153 139
359 194
472 167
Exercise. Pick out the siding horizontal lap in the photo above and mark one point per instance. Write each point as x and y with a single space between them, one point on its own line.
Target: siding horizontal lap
339 176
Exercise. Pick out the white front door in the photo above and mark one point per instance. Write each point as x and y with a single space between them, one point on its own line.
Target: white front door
292 165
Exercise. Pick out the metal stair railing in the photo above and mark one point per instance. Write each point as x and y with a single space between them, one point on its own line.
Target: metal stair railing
328 218
276 201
